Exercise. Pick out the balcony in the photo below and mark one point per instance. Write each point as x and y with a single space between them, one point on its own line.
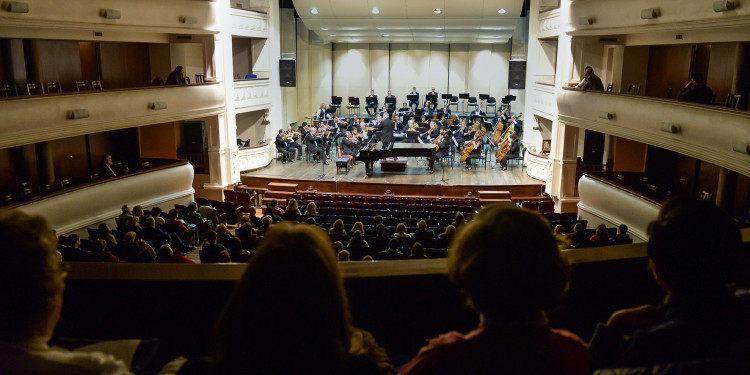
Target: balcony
164 16
251 158
549 24
710 133
248 23
31 119
544 100
252 95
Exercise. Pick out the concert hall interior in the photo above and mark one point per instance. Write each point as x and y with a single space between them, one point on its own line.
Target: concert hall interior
196 131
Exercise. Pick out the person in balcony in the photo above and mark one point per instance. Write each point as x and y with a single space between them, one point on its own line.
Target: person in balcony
696 91
177 77
590 81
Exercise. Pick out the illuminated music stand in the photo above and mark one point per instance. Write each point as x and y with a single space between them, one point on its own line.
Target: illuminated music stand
464 97
446 99
353 103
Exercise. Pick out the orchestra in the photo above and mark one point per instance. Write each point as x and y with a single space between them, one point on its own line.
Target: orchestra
464 132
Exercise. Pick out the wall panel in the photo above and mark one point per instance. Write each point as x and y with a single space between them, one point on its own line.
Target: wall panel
459 58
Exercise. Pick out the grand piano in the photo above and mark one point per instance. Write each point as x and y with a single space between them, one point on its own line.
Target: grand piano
399 149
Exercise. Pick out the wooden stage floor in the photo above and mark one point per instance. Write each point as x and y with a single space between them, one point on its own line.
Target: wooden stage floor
457 178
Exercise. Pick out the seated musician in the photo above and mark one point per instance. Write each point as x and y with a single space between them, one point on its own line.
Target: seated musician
283 147
432 133
443 146
405 108
476 142
411 132
390 107
513 152
355 120
477 114
427 109
414 103
321 114
304 129
350 146
365 131
423 121
513 125
294 136
433 92
462 134
372 102
314 144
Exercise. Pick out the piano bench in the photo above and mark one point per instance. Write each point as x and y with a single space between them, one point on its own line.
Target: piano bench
389 165
342 164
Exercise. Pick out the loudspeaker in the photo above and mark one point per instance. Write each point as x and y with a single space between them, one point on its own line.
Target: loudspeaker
16 7
194 137
517 75
287 73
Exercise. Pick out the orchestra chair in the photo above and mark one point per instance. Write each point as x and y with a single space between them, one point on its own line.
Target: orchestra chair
482 158
491 102
34 87
96 85
472 103
81 86
7 90
454 103
53 87
279 156
518 159
200 78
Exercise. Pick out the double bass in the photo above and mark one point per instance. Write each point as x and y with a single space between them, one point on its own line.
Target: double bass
469 148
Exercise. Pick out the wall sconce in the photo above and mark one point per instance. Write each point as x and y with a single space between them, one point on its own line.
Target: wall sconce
741 147
670 128
77 114
111 14
650 13
157 105
723 6
607 115
188 20
586 21
15 7
266 117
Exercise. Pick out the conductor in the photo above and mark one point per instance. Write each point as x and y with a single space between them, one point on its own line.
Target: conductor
388 127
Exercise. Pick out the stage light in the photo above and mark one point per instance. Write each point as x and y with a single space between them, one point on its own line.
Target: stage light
314 10
375 10
501 11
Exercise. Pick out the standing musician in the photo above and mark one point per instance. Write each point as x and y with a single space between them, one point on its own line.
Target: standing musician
350 146
283 147
388 127
372 102
390 107
314 145
321 114
294 136
477 151
414 103
442 146
513 152
476 114
433 92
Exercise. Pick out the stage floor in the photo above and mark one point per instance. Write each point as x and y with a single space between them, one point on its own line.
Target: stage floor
416 174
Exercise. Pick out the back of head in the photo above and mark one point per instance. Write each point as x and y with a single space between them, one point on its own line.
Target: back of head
519 272
288 314
173 214
380 229
622 229
128 238
601 232
393 244
377 219
165 250
149 222
29 274
693 245
417 250
192 206
211 236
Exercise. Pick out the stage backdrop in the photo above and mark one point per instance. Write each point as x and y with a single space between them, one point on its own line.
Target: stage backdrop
349 69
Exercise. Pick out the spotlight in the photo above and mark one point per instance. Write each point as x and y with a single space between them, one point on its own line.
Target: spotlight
501 10
314 10
375 10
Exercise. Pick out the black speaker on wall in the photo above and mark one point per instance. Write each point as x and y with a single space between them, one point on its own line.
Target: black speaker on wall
194 140
288 73
517 75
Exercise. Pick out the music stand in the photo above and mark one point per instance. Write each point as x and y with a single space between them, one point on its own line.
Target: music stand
411 98
390 100
336 102
432 98
464 97
446 99
483 98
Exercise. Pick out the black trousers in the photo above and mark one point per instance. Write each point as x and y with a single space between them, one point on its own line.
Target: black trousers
504 160
371 106
387 142
471 156
318 151
286 152
297 147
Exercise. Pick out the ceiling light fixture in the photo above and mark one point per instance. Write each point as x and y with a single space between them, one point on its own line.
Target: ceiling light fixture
375 10
314 10
501 11
440 35
386 34
333 34
324 28
381 28
438 11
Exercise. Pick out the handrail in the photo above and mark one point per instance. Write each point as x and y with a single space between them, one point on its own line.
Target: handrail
626 188
97 92
716 107
171 164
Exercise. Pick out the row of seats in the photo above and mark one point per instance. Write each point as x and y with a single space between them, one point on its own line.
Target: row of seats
38 88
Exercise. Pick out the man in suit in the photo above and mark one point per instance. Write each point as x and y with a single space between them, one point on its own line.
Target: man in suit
293 143
349 147
515 150
314 144
282 147
591 81
414 103
391 106
434 103
442 150
372 102
388 127
476 114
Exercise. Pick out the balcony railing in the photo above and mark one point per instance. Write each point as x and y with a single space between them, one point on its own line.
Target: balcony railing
31 119
712 133
248 23
252 95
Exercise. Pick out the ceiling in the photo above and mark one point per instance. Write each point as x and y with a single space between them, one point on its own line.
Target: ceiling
408 21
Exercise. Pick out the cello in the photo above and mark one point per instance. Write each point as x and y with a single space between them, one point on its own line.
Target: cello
469 148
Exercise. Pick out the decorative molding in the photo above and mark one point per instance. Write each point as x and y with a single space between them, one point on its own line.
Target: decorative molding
549 24
544 100
248 23
253 158
252 95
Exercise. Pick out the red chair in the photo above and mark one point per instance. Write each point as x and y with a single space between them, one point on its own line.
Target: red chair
230 196
244 200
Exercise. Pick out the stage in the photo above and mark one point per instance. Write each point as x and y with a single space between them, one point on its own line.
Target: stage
416 180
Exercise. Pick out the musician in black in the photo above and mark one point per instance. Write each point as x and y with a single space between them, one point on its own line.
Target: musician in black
513 152
350 146
477 114
304 130
372 102
314 145
462 134
293 144
321 114
388 127
390 107
443 146
515 124
434 103
282 147
414 103
477 151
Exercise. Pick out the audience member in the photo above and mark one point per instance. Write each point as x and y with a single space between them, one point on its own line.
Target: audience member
104 233
696 91
376 220
601 234
422 234
311 209
152 234
367 258
392 253
138 211
133 225
31 291
559 230
337 232
401 231
173 223
591 81
510 281
99 252
417 251
459 221
292 211
214 252
248 239
292 303
166 255
358 226
380 241
357 246
338 247
450 231
156 214
193 213
133 250
344 256
622 236
578 238
177 77
265 224
126 213
702 324
273 210
73 252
